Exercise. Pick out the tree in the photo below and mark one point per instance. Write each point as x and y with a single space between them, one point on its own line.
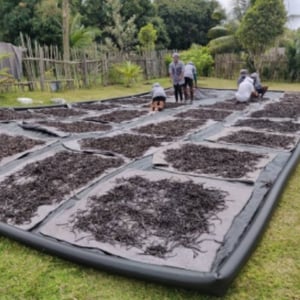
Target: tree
293 57
147 37
223 38
81 36
16 17
121 33
240 7
95 13
46 22
163 39
261 25
188 24
66 29
143 10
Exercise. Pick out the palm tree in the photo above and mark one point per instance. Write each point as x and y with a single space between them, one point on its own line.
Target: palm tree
81 36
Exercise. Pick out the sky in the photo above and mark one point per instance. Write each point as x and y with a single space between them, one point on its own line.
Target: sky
293 6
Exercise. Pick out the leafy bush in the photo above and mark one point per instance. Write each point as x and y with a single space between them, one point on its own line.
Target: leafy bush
200 56
127 72
5 76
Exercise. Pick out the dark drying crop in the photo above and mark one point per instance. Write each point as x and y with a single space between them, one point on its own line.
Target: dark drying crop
118 116
288 107
218 161
205 114
170 129
132 100
47 182
61 112
79 126
284 126
10 145
259 139
138 211
9 115
94 106
230 105
129 145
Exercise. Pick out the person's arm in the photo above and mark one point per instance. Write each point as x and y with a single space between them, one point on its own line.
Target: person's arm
182 72
170 72
195 76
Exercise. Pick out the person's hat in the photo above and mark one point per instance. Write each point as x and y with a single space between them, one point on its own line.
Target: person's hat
175 54
156 84
243 72
254 75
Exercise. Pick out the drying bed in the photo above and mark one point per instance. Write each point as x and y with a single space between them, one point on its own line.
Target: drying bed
179 197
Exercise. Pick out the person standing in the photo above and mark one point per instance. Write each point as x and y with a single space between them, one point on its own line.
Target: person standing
176 72
190 75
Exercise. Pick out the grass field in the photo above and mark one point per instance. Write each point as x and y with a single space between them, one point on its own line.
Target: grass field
272 272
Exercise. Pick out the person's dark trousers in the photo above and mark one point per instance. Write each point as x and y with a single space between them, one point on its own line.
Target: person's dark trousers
178 92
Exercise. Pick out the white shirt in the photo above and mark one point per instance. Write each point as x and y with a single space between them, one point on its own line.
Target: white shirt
158 91
245 90
189 70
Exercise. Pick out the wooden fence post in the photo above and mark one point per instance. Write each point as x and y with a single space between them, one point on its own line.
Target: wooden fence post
42 70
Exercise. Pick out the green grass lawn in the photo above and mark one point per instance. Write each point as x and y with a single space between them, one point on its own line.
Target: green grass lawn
272 272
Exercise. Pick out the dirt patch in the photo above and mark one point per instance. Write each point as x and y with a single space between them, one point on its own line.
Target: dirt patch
118 116
129 145
218 161
11 145
285 126
170 129
77 127
218 115
174 213
47 182
259 139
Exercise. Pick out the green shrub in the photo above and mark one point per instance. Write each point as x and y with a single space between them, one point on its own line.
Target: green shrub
5 76
128 73
201 57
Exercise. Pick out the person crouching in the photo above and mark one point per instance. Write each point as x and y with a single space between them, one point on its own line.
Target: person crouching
159 97
246 90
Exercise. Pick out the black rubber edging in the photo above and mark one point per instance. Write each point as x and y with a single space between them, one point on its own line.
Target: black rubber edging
210 283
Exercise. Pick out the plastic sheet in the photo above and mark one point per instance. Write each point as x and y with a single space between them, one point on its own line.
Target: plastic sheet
249 204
